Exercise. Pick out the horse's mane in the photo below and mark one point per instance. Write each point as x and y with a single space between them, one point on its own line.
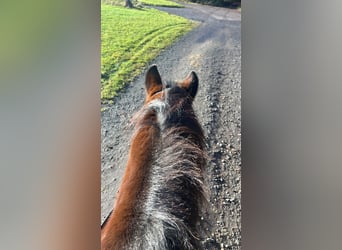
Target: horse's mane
162 193
169 207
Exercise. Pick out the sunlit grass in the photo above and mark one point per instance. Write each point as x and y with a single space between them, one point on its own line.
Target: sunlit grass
130 38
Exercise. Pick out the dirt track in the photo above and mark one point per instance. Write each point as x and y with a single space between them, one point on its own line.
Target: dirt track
213 51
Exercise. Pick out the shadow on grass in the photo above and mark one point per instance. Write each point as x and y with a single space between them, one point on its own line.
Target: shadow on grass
140 7
161 5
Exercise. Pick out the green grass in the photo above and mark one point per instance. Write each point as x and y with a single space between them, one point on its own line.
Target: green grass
164 3
130 38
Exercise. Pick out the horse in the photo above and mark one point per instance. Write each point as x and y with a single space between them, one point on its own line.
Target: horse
163 191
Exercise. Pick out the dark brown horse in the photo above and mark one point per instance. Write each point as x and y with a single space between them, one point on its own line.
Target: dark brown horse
162 192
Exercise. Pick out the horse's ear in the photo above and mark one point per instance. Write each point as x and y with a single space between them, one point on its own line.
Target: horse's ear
153 82
190 83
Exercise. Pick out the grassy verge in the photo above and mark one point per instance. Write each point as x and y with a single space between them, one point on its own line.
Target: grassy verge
130 38
163 3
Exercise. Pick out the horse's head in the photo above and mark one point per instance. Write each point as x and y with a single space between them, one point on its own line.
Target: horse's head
170 104
156 89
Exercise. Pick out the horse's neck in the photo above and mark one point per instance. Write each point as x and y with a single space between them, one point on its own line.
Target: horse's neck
137 168
132 183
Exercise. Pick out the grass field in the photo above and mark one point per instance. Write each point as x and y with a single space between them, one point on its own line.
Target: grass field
130 38
164 3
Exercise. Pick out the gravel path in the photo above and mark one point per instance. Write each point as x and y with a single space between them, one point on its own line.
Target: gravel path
213 51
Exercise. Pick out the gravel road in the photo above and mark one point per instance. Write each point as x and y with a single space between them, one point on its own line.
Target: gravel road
213 51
